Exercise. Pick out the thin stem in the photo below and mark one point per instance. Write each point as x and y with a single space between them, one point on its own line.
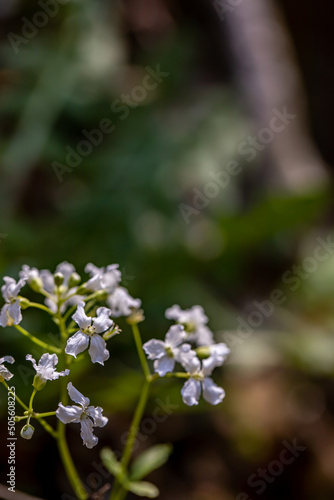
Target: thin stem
141 354
178 375
18 419
71 471
24 406
37 341
36 305
32 399
131 439
64 452
40 415
46 426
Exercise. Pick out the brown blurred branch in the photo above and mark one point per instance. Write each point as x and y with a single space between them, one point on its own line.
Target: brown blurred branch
17 495
269 78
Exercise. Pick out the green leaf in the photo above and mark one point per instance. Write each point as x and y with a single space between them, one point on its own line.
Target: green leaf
151 459
110 461
142 489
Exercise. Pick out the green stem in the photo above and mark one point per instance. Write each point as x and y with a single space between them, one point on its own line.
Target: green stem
118 492
64 452
70 469
118 489
37 341
141 354
40 415
18 419
32 399
46 426
25 407
36 305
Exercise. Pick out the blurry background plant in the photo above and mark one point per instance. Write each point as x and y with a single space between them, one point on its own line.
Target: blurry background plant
121 204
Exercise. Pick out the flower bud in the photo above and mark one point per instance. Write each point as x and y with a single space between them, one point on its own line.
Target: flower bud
39 383
36 284
203 352
74 280
59 279
136 316
110 333
27 431
24 303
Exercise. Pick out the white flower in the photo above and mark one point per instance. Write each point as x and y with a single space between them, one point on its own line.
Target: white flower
29 273
218 354
194 321
103 278
88 416
11 311
166 353
121 303
89 331
45 279
4 372
46 368
200 381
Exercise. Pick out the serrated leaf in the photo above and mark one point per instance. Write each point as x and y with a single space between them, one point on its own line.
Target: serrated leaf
142 489
110 461
149 460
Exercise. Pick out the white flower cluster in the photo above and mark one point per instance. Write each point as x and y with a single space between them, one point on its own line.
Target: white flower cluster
61 291
191 327
188 343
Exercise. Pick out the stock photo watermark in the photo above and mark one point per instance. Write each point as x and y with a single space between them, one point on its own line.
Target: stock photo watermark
249 148
11 440
262 477
122 107
30 27
293 277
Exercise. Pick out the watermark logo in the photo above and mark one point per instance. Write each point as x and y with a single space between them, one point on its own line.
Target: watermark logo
11 440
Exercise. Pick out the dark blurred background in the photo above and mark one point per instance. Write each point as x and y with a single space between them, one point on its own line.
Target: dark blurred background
227 68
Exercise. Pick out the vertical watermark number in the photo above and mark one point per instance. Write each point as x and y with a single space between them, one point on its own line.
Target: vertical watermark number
11 439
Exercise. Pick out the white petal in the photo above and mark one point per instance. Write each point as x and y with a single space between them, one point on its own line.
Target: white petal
92 270
175 335
7 359
66 269
46 366
102 322
69 414
96 415
164 365
80 317
185 355
76 344
48 360
154 349
30 358
191 364
51 304
14 312
211 392
173 312
97 350
76 396
47 280
87 433
204 335
3 317
121 302
4 373
191 392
